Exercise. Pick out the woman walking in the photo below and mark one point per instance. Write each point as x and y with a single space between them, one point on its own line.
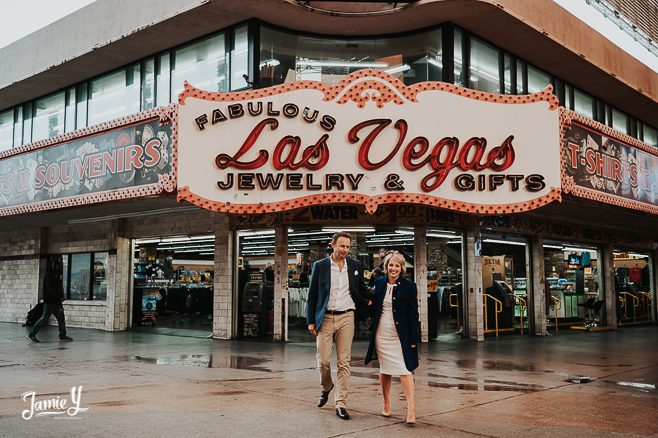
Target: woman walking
395 333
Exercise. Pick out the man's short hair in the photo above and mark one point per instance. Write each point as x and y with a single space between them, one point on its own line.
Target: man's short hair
340 234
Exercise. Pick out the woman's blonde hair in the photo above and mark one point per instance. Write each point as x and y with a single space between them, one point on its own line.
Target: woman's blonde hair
398 258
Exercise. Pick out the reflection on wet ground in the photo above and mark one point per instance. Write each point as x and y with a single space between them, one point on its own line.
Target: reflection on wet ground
495 365
477 385
203 360
581 379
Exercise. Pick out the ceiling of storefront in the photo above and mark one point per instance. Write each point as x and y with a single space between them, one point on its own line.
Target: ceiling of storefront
580 212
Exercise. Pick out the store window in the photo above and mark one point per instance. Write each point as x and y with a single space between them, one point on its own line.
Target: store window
6 129
85 276
148 84
634 292
508 68
114 95
458 48
573 293
650 135
537 80
619 120
583 103
505 283
286 57
239 58
173 283
27 123
81 105
163 79
18 126
202 64
484 71
69 118
48 118
445 312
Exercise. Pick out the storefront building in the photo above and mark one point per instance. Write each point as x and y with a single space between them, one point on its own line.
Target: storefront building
189 171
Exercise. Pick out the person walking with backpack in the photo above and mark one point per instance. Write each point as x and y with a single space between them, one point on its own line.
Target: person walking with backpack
53 295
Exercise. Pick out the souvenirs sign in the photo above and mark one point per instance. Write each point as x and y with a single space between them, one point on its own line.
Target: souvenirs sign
125 158
368 140
602 164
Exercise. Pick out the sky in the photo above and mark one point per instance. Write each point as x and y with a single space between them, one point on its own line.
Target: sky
22 17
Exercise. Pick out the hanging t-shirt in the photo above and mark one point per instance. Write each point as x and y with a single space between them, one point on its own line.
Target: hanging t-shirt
635 275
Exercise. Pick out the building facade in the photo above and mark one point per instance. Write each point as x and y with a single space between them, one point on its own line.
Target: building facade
188 161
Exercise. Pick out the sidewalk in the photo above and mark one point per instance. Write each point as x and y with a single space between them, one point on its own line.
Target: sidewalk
137 384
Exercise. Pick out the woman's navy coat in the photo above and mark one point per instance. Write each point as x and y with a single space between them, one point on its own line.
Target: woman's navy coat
405 315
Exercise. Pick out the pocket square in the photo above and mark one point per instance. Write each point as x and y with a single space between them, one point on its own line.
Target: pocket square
356 272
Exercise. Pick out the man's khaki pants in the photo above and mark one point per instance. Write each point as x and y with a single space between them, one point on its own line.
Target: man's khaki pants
338 329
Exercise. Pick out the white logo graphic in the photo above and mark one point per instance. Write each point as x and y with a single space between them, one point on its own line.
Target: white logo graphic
53 406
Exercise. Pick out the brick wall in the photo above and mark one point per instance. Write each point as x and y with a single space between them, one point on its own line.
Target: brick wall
19 273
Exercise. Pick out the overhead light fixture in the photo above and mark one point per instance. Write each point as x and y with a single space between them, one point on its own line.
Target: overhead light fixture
434 62
318 63
397 69
144 241
504 242
553 246
575 248
443 236
348 229
636 255
455 241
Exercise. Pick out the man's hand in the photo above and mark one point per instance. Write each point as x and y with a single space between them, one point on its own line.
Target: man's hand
311 328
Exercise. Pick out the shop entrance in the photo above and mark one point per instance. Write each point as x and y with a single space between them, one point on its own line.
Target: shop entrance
445 311
305 246
173 285
504 282
574 297
634 293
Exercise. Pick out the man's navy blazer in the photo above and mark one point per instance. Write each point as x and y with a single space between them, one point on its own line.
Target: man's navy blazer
320 285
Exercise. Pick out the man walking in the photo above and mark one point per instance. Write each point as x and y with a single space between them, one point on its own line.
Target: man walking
53 295
336 286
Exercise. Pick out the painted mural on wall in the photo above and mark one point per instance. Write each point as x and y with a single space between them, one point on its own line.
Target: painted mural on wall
117 161
604 165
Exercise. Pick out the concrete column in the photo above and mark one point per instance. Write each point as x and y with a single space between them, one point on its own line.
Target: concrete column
608 275
280 283
119 272
474 324
420 271
537 287
222 327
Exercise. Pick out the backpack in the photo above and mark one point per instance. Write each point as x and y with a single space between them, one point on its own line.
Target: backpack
33 315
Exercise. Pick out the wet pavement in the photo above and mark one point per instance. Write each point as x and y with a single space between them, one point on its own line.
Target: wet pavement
140 384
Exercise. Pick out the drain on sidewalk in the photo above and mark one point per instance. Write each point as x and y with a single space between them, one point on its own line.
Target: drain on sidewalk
580 379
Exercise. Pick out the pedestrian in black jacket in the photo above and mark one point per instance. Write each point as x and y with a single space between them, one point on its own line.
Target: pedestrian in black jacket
53 295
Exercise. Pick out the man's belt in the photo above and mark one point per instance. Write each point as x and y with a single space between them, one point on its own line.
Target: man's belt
338 312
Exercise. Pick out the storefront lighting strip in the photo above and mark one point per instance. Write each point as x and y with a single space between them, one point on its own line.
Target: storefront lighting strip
350 229
455 241
444 236
574 248
505 242
397 69
553 246
636 255
255 233
144 241
314 63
